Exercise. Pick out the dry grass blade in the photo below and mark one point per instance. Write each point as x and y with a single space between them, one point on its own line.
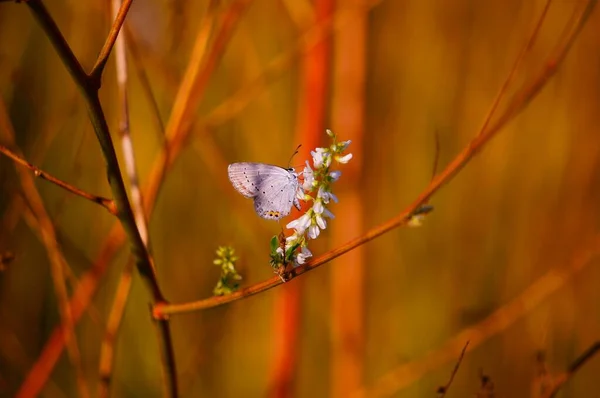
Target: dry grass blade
37 217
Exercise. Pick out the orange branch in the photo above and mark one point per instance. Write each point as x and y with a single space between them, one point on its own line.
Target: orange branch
108 204
519 102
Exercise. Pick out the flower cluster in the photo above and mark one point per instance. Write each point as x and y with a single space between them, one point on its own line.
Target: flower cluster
227 283
316 188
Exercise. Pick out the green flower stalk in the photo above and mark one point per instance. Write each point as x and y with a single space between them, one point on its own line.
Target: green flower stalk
228 281
316 188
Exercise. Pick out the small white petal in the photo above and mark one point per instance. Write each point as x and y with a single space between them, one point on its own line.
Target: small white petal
333 197
323 194
309 177
327 213
344 159
307 185
321 222
318 207
313 232
293 224
335 175
303 256
330 133
317 159
299 224
306 252
344 144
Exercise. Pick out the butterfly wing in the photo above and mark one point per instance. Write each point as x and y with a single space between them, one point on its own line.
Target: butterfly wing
247 177
272 187
277 196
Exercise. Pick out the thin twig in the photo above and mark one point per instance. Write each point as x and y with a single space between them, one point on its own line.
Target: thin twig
124 210
498 321
39 373
47 134
89 282
238 101
516 65
89 86
82 296
577 364
37 217
108 204
124 128
444 389
61 46
98 68
517 105
142 75
17 357
107 347
41 222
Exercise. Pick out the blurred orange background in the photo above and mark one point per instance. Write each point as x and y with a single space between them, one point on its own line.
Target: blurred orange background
382 320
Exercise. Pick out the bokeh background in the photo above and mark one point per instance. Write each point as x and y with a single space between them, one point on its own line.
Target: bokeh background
387 319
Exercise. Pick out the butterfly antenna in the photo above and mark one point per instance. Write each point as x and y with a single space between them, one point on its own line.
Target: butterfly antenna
294 154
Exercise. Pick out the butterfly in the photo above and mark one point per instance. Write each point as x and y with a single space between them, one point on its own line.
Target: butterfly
273 188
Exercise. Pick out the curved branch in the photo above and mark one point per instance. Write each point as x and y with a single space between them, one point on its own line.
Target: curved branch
89 282
89 86
518 104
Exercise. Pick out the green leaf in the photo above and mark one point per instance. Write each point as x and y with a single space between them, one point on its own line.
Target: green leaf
274 244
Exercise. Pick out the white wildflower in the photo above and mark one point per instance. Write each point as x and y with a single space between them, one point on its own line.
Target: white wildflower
326 195
343 145
321 221
327 213
313 232
309 178
335 175
303 255
319 178
344 159
319 156
300 224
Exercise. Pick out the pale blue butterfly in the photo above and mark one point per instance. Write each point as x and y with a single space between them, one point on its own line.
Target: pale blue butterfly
273 188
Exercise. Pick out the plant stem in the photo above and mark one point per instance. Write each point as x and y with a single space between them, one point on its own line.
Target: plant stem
89 86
